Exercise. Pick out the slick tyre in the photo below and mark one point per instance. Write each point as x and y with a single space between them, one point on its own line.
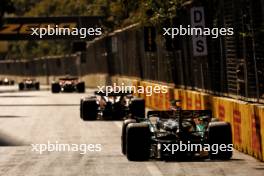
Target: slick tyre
55 88
220 133
89 109
138 142
137 107
37 86
81 87
21 86
123 137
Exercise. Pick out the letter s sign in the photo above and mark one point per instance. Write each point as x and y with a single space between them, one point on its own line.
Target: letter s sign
198 42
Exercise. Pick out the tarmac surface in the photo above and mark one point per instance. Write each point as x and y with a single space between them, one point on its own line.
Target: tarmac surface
39 117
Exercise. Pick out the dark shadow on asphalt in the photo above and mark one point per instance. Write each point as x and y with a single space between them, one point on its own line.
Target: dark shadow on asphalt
11 116
259 168
39 105
6 140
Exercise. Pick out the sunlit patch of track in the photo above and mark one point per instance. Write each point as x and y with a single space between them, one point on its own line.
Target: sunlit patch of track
36 117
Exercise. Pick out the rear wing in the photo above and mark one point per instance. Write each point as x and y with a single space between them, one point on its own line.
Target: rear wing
164 114
184 114
68 79
196 114
112 94
29 79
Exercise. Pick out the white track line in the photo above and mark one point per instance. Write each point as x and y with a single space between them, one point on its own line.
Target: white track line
152 168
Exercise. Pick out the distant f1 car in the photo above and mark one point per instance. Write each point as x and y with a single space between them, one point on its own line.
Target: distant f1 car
28 84
111 106
7 81
68 84
161 134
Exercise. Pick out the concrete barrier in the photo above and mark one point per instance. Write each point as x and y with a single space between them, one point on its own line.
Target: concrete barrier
258 132
247 120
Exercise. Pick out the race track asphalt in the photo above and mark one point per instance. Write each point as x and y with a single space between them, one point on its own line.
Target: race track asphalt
39 117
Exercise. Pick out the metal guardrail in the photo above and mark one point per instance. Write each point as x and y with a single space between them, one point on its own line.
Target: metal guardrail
234 65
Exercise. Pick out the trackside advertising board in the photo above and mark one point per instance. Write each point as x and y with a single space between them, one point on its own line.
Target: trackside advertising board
22 28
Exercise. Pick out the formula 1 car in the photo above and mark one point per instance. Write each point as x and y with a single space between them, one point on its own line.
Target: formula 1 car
163 133
28 84
7 81
68 84
111 106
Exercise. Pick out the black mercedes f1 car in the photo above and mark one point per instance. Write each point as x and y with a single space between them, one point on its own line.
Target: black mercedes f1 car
176 134
68 84
29 84
6 82
111 106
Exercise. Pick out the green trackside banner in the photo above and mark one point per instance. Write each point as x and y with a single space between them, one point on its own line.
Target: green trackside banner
51 28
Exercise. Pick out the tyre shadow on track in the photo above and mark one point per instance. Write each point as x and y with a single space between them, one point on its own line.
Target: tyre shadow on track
11 116
259 168
7 140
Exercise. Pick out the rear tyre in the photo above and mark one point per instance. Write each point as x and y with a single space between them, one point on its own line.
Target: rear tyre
137 107
108 111
21 86
81 87
123 137
37 85
81 108
55 88
138 142
89 109
220 133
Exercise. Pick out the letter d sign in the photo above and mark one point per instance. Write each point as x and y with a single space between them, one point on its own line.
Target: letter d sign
198 42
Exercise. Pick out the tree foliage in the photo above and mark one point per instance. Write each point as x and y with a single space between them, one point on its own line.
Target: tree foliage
117 14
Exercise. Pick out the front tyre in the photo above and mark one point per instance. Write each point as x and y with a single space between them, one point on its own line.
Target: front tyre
220 133
21 86
37 86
